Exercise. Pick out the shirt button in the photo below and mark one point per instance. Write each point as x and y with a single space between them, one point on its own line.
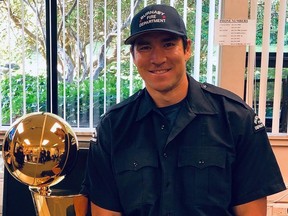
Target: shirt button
135 164
201 161
165 155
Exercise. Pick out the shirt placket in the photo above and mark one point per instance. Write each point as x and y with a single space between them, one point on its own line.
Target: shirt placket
167 195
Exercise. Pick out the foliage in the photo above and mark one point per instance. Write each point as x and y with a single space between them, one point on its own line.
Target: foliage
81 98
275 6
13 91
74 32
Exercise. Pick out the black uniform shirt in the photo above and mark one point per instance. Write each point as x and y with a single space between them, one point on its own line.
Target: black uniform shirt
217 155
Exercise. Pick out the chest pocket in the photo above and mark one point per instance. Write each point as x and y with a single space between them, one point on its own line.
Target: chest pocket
202 174
202 157
137 176
134 160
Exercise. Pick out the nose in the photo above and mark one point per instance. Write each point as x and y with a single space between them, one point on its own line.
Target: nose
158 56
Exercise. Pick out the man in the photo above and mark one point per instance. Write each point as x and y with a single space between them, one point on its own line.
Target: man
178 147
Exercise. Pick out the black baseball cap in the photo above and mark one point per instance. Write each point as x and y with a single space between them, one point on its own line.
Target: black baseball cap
156 17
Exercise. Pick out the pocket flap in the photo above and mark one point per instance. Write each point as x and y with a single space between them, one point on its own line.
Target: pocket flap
202 157
129 160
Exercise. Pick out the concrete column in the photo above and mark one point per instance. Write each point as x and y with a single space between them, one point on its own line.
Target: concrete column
232 58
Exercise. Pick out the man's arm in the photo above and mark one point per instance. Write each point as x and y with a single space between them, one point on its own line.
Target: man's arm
255 208
98 211
81 205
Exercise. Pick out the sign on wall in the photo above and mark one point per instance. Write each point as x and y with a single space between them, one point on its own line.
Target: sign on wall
235 32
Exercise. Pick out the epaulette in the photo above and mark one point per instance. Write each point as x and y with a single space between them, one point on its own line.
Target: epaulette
258 125
223 92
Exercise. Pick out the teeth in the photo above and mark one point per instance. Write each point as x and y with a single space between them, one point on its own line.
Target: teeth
159 71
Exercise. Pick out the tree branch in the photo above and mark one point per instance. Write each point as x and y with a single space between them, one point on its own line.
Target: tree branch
108 40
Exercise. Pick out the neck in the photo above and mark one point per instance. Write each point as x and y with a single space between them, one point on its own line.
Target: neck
173 96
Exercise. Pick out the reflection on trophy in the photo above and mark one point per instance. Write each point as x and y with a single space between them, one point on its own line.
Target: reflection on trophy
39 149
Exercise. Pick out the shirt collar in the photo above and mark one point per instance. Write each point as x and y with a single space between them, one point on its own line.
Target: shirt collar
197 102
146 105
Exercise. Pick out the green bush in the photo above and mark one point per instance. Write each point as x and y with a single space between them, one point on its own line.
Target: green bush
76 96
13 91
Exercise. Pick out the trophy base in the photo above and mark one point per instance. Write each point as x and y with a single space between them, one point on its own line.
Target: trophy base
56 203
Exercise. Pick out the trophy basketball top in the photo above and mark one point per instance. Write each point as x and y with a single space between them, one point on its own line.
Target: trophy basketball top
39 149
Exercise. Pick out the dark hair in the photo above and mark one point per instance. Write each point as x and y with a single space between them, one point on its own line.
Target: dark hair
185 43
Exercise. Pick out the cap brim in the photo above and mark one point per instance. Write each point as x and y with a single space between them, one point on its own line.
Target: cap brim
132 38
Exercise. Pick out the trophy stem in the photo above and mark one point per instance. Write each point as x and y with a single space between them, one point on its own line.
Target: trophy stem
44 191
57 203
39 201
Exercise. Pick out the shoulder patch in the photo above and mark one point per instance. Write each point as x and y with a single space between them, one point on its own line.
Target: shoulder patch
258 125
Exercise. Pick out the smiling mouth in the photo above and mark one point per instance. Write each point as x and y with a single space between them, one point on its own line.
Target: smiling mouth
159 71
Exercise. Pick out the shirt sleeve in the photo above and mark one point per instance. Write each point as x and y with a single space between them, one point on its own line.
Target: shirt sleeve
101 188
256 173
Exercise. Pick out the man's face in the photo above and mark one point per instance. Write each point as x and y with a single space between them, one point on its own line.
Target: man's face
161 60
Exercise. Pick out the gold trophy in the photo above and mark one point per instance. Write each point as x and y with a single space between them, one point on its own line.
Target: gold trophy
39 150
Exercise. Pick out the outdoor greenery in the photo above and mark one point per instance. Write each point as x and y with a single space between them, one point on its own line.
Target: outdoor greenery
13 97
74 56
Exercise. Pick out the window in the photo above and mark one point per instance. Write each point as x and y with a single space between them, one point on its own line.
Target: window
267 64
69 58
75 48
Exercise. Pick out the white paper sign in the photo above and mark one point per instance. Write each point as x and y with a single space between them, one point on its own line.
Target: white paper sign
235 32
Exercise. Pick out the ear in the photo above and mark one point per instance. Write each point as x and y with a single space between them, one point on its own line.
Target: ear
188 50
